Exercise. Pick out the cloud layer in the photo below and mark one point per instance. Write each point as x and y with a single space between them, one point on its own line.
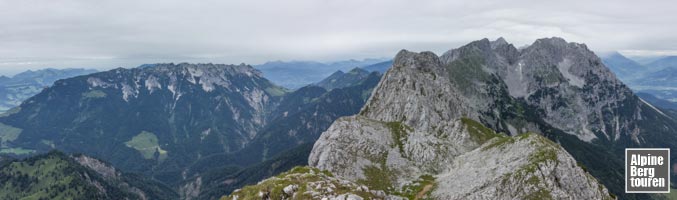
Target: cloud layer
126 33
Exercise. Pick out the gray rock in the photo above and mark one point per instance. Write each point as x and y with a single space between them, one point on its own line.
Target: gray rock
290 189
428 115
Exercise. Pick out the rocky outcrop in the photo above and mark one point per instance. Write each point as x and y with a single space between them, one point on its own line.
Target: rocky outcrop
528 166
438 117
307 183
566 82
98 166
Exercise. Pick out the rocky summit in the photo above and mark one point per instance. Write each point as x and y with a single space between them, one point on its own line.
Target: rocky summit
486 121
427 118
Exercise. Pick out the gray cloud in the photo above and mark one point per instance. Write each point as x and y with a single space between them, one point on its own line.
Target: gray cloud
126 33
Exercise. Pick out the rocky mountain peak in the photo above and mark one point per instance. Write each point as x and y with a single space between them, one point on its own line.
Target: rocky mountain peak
414 77
557 48
158 113
170 76
337 73
406 58
571 70
429 112
357 70
340 79
498 42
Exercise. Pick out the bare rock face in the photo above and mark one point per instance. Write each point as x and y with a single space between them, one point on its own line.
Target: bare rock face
429 127
191 190
109 173
389 147
524 167
566 81
100 167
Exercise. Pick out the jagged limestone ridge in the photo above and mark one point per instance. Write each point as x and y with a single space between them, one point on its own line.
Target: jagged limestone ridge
567 81
423 116
387 157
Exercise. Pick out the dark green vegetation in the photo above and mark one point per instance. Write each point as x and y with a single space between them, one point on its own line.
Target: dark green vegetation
379 177
382 178
177 122
399 132
154 120
58 176
478 132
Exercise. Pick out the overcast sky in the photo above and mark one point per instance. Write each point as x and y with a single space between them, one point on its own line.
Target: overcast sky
121 33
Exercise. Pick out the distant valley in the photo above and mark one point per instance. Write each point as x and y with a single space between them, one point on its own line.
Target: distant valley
15 89
296 74
656 77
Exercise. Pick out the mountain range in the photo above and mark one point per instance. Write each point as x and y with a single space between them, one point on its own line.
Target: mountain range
296 74
340 79
15 89
482 121
662 63
624 68
472 124
177 123
655 78
381 67
286 141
